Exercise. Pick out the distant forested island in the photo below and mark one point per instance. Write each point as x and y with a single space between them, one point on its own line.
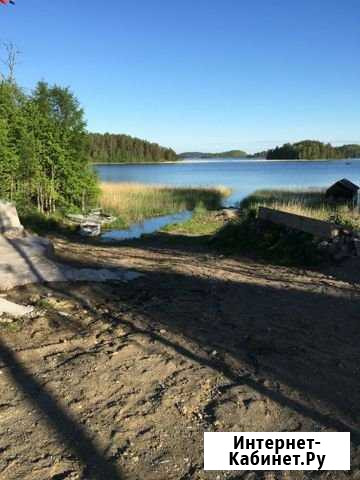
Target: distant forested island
113 148
304 150
119 148
312 150
228 154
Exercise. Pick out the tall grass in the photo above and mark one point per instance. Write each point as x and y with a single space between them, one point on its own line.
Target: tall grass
134 202
308 203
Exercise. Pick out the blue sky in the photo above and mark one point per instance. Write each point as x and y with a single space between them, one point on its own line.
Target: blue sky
205 75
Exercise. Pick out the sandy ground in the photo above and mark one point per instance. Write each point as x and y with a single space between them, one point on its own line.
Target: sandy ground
119 381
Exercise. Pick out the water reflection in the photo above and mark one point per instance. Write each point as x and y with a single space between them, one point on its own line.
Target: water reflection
147 226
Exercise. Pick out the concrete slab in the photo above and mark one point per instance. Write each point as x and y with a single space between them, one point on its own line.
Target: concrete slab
9 219
13 309
30 259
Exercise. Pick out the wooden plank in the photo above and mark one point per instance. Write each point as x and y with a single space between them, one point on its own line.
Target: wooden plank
318 228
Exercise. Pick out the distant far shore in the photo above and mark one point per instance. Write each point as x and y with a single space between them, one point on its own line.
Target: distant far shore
233 160
135 163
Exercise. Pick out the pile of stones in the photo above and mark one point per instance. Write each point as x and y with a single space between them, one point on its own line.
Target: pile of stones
344 245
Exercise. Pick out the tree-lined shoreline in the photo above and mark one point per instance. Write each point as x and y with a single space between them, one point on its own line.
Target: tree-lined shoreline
120 148
125 149
303 150
313 150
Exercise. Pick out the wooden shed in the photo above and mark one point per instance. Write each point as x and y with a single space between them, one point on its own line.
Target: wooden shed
343 191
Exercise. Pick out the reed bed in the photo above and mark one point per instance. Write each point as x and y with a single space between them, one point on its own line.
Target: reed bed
308 203
134 202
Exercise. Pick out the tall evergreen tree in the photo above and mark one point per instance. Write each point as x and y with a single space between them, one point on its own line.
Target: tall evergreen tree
111 148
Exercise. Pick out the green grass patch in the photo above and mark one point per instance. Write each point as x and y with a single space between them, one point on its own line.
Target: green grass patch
14 326
203 222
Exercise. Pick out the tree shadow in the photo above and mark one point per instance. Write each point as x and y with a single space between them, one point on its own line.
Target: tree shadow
238 380
66 428
305 340
318 360
74 436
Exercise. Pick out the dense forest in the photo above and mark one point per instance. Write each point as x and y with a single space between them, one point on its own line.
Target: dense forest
349 151
228 154
312 150
43 149
304 150
112 148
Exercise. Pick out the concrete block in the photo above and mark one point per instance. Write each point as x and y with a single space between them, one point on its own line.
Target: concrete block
318 228
9 219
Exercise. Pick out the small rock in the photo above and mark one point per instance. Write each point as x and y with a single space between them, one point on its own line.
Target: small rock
268 384
163 331
34 299
250 476
6 320
13 309
227 213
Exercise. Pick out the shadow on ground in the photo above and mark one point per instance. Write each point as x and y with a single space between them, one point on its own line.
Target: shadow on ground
296 346
306 340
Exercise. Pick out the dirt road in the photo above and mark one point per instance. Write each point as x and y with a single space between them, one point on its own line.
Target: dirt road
119 381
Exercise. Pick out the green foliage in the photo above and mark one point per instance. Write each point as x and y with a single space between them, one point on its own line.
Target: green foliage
43 150
349 151
286 152
203 222
268 241
111 148
44 224
312 150
304 150
276 243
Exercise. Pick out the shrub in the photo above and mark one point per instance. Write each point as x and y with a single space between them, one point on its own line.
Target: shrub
268 241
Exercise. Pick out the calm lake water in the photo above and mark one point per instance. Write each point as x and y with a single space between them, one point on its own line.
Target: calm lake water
243 176
147 226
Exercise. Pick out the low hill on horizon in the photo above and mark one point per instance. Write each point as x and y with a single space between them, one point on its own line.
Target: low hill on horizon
303 150
227 154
